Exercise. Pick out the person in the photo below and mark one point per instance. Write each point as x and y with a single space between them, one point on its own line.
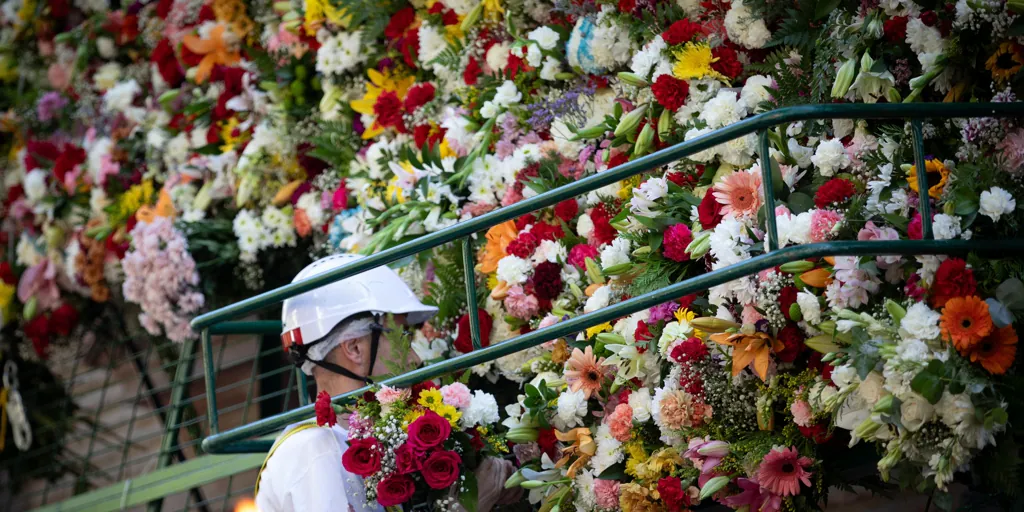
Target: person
333 333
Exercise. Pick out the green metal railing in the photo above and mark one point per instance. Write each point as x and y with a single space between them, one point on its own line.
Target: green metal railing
239 440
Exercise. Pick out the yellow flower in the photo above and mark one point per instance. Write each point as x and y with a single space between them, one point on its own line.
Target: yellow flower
694 60
661 463
319 10
684 315
227 133
597 329
627 185
449 412
634 497
412 416
394 193
6 297
380 83
938 175
136 197
431 399
493 9
1006 61
446 150
492 281
635 455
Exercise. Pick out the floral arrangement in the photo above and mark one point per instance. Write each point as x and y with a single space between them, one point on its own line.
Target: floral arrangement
419 445
229 143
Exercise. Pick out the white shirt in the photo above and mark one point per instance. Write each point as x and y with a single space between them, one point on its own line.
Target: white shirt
304 475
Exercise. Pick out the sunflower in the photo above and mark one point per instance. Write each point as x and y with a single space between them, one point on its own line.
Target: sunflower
935 170
965 321
997 351
1006 61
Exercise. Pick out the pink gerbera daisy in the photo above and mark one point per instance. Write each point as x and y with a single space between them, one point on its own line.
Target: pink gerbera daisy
782 470
739 194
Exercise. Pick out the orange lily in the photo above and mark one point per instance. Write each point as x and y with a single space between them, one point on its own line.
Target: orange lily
164 208
818 278
749 349
583 445
214 51
498 238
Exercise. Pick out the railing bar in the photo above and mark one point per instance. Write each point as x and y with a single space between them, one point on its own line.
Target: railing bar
474 315
924 203
598 180
769 192
215 444
211 380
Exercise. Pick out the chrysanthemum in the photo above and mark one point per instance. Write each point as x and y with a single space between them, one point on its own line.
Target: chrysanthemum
997 351
1006 61
782 471
693 61
584 371
965 321
739 194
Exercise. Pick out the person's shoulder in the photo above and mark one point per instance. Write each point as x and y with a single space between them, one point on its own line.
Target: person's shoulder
312 440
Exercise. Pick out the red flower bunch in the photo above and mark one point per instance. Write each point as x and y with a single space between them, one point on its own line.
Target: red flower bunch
681 32
727 62
524 245
418 95
670 91
895 29
464 341
325 414
545 231
677 237
578 255
834 191
693 349
793 338
388 110
567 210
71 156
604 233
670 488
952 279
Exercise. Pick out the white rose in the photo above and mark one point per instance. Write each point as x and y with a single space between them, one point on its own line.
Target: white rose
872 388
843 376
915 411
995 203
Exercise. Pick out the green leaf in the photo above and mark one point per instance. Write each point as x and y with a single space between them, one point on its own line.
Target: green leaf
468 498
799 202
899 222
824 8
864 364
614 472
966 202
929 385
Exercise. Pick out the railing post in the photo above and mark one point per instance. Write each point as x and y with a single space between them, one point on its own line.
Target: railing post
474 316
769 192
924 206
210 368
178 387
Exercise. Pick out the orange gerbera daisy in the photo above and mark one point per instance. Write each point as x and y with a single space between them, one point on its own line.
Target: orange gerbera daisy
739 193
997 351
584 371
965 321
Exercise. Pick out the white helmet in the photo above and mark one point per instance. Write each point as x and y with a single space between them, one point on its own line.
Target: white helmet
311 316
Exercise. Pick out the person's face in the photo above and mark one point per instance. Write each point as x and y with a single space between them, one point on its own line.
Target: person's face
384 348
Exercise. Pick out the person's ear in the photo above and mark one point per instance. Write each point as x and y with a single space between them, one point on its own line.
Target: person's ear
354 351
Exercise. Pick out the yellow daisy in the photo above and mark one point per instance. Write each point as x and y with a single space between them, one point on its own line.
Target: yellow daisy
694 60
431 399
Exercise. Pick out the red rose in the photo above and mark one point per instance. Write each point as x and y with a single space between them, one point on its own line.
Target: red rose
709 210
64 319
817 432
408 459
670 91
793 338
464 341
952 279
395 490
567 210
681 32
670 489
362 456
325 414
787 297
441 469
895 29
428 431
834 191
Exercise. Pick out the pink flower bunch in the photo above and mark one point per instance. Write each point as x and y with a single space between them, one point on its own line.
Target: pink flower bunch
161 277
456 395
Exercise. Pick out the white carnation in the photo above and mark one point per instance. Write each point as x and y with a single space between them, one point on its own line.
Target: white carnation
640 402
830 157
995 203
921 322
754 91
482 410
572 407
946 227
722 110
615 253
513 270
810 308
119 97
545 37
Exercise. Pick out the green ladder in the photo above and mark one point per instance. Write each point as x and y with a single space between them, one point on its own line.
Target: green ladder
239 440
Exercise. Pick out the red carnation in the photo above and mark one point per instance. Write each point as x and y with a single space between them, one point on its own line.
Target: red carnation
418 96
464 341
727 64
693 349
441 469
578 255
363 456
617 159
677 238
64 319
627 6
682 179
525 220
642 335
545 231
709 210
472 73
399 22
670 488
547 442
952 279
567 210
670 91
787 297
38 331
66 162
388 109
681 32
604 233
929 18
687 300
793 338
547 280
834 191
895 29
523 246
325 414
395 490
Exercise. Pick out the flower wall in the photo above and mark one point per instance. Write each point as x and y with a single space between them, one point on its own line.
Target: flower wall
171 156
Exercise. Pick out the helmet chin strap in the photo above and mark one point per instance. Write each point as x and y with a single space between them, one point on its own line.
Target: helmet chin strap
299 355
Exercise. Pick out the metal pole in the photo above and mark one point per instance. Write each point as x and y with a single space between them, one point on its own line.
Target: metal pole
181 375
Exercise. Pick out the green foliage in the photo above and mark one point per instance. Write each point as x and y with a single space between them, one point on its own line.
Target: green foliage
448 290
336 144
371 16
399 361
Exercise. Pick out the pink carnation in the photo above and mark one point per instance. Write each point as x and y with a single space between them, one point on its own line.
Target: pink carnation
548 321
521 304
456 395
606 493
389 395
802 414
620 421
822 223
677 238
578 255
750 315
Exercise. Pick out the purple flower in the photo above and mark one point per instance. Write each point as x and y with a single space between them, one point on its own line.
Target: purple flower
663 312
50 105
